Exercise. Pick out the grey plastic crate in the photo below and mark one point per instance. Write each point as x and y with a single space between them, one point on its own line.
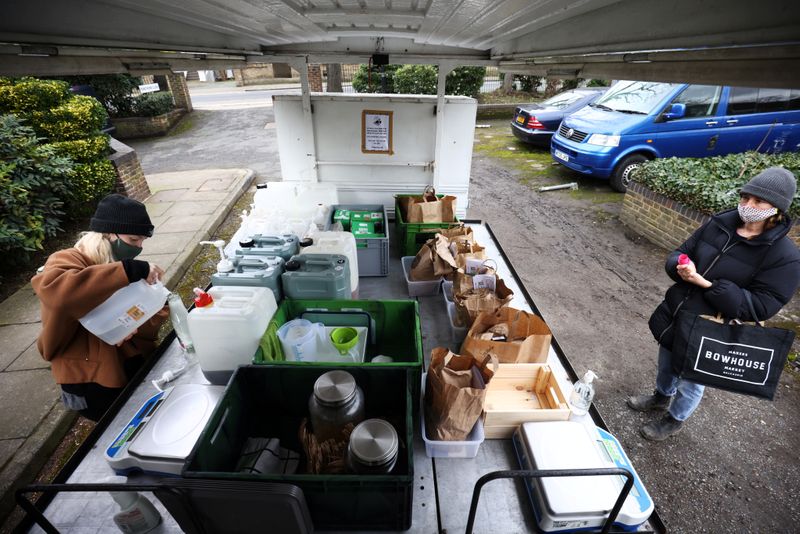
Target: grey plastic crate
372 252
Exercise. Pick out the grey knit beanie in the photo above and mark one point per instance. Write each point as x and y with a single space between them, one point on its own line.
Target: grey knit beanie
776 185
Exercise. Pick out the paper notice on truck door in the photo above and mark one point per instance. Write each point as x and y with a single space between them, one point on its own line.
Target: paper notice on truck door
376 132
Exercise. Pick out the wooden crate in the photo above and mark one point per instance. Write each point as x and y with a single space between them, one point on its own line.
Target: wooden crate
521 392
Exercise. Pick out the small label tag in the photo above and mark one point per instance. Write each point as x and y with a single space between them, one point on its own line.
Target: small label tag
473 264
480 281
135 312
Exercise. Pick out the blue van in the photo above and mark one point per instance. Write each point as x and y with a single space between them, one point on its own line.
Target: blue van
637 121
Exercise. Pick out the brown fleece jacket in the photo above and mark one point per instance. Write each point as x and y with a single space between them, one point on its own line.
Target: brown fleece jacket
69 287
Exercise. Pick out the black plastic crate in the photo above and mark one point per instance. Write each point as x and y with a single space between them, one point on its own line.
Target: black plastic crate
271 401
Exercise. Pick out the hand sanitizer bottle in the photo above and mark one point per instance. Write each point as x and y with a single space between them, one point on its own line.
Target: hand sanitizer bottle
137 514
582 394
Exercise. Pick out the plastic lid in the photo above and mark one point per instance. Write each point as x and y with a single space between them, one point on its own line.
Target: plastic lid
589 377
262 186
291 265
335 388
340 261
374 442
247 243
202 299
306 242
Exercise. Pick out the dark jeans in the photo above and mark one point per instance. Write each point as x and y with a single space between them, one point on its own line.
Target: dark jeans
92 400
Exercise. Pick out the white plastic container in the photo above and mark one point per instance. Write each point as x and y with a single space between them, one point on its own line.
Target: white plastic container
450 449
337 243
301 340
422 288
294 199
457 333
447 291
226 333
125 311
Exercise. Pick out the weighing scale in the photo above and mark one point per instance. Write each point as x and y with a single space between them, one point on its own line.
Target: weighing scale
582 502
164 430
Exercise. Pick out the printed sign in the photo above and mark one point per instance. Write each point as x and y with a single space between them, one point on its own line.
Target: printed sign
148 88
734 361
376 132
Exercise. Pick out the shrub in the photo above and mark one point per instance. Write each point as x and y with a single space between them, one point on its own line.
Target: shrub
466 81
33 182
28 95
710 185
416 79
361 79
529 84
83 150
152 104
113 90
88 183
77 117
594 82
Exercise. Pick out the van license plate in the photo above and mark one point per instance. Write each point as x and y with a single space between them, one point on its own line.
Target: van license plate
560 155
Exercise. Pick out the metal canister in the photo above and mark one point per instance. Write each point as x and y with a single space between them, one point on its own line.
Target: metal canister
373 448
336 401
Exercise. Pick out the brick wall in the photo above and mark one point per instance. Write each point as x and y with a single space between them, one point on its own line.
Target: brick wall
180 91
263 73
134 127
130 177
314 78
664 221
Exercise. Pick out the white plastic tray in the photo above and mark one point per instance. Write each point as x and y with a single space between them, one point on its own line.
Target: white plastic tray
450 449
418 289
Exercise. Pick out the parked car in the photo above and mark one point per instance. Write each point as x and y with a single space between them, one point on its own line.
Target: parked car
536 123
636 121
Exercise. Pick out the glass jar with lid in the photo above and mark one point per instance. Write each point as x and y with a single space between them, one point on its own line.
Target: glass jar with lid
372 448
336 401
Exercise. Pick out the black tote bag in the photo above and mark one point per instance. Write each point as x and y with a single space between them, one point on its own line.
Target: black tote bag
738 357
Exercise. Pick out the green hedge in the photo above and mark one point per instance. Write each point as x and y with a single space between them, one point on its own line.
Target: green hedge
89 182
710 185
416 80
84 150
113 90
75 118
33 184
28 95
420 80
361 79
153 104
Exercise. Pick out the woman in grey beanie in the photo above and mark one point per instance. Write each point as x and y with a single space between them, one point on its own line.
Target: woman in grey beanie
739 250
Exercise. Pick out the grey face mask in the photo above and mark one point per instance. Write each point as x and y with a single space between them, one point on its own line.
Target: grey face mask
123 251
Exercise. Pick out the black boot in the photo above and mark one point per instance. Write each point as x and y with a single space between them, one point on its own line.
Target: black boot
646 403
661 429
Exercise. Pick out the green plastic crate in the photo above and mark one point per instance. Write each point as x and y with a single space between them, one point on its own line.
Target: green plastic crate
411 236
372 250
271 401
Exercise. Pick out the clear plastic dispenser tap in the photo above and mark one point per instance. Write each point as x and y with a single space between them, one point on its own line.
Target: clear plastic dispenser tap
582 394
224 265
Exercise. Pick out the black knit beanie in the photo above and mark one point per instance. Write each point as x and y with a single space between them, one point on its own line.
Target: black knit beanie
776 185
118 214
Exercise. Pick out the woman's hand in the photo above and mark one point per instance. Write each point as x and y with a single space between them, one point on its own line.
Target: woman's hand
688 273
155 274
130 336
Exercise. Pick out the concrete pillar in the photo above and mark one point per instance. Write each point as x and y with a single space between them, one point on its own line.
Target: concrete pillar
130 176
180 91
315 78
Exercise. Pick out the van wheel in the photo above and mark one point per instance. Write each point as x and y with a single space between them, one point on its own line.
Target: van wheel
622 174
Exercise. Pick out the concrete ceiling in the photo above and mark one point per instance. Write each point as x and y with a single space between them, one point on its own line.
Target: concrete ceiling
738 42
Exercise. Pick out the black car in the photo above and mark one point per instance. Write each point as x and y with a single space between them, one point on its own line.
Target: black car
536 123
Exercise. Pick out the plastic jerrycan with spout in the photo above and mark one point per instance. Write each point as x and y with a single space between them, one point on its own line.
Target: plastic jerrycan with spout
226 326
343 243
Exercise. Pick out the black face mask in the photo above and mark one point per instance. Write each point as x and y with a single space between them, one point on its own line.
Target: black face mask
123 251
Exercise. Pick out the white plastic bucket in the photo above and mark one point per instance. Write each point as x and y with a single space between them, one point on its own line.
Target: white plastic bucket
300 339
125 311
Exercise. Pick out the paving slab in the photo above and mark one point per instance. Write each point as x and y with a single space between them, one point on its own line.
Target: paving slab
167 195
182 223
30 359
166 242
15 339
7 449
216 184
193 207
157 209
33 394
21 307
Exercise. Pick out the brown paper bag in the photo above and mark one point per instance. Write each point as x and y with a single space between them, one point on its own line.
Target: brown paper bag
458 233
428 208
528 337
469 250
454 392
422 267
470 304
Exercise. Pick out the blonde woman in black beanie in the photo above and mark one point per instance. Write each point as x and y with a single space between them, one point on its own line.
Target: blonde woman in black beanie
739 252
74 281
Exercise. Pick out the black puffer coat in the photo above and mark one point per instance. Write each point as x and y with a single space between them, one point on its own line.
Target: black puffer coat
768 266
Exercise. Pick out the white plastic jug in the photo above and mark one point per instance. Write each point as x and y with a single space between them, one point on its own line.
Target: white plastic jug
301 339
294 199
337 243
125 311
227 332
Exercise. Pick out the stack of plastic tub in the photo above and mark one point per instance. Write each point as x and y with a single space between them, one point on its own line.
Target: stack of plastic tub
457 333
